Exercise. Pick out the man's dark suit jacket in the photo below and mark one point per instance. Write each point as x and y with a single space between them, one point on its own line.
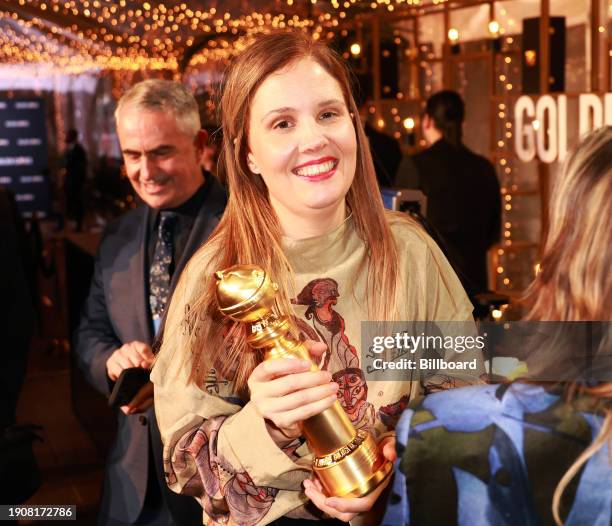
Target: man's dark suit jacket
463 205
386 154
117 312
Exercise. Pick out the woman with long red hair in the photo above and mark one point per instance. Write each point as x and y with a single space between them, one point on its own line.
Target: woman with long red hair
304 205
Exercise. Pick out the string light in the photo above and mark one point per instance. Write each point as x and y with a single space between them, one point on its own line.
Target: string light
80 44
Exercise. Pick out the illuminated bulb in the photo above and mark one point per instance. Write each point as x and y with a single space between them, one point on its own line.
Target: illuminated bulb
496 313
494 27
380 123
453 34
355 49
409 123
500 270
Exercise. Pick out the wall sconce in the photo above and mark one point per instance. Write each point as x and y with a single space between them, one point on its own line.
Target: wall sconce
531 57
494 41
409 126
453 37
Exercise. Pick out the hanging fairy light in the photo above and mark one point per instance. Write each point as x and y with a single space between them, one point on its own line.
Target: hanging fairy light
118 45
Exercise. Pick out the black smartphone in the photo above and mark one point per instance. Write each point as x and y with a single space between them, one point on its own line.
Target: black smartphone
127 385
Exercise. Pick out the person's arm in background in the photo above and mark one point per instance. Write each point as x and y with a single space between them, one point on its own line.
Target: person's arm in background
95 341
100 353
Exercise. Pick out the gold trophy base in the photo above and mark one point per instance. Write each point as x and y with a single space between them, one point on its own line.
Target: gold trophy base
342 473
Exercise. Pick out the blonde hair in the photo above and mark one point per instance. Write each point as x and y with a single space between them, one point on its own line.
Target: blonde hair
249 231
575 282
163 96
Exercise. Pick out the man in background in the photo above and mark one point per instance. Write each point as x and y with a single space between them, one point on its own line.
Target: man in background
138 263
386 151
75 159
463 194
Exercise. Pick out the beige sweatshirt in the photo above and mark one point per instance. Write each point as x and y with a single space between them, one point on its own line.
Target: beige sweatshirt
216 446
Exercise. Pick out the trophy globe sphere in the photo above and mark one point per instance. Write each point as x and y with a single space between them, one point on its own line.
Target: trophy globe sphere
245 292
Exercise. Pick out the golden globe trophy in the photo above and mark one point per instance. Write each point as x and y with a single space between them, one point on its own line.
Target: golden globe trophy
346 461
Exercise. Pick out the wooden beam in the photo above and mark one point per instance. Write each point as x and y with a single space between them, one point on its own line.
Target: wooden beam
415 76
543 168
376 63
447 65
595 45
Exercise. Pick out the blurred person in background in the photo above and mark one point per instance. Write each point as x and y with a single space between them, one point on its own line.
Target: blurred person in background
19 475
463 194
75 162
386 151
139 260
538 450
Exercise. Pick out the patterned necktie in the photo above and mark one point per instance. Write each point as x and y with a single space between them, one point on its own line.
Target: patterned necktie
159 274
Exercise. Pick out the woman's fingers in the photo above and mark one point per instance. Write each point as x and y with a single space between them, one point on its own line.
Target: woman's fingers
287 384
271 369
289 418
296 382
313 490
303 397
287 391
387 446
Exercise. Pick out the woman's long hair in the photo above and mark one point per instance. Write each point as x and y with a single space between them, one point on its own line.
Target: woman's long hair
249 231
575 282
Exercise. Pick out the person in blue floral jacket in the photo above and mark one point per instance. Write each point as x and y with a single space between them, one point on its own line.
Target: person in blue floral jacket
528 452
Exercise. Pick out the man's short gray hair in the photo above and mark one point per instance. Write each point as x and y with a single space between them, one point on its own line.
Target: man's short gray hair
164 96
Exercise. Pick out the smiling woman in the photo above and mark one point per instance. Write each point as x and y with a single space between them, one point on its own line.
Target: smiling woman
304 205
304 146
